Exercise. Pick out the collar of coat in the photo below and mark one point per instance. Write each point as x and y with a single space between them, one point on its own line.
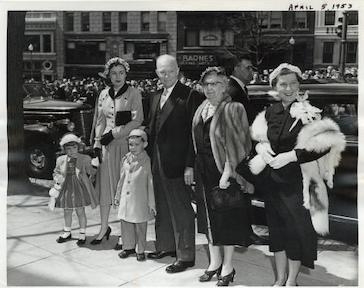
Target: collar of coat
135 161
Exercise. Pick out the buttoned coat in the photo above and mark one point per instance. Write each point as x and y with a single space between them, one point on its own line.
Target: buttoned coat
83 170
109 171
135 189
131 100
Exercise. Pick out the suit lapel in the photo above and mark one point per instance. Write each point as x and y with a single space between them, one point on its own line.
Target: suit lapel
169 105
154 107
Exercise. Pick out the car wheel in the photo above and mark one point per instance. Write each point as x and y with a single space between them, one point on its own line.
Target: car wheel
40 161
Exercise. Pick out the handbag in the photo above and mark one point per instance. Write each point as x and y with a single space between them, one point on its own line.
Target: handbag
229 198
122 118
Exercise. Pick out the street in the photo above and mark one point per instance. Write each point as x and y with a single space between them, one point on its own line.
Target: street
35 259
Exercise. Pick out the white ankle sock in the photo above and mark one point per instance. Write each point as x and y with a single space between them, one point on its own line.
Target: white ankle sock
82 235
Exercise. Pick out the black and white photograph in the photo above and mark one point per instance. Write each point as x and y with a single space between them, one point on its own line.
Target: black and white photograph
180 145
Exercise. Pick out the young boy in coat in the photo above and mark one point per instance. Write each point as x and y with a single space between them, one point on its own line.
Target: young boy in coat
135 196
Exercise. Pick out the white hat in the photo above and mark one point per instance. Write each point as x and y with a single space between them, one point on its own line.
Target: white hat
138 133
69 138
278 70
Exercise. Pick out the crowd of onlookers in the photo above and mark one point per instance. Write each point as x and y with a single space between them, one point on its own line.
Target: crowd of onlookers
87 89
330 73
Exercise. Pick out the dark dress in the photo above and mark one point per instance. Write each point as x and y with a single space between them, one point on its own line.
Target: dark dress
229 227
289 223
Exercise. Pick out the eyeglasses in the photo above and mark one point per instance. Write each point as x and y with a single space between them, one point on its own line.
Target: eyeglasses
212 84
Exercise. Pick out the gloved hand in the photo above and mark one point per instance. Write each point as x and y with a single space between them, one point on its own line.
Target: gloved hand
224 181
282 159
98 153
265 150
106 138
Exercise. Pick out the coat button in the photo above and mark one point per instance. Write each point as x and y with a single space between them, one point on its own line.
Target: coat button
127 193
128 182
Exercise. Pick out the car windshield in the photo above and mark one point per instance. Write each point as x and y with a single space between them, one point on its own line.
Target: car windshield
35 90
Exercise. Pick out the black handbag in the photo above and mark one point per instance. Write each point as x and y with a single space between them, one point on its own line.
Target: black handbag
122 118
225 199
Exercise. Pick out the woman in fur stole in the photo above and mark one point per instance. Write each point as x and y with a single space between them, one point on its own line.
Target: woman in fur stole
291 138
221 138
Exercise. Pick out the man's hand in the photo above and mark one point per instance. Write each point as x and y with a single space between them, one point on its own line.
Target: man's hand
188 175
106 138
264 149
283 159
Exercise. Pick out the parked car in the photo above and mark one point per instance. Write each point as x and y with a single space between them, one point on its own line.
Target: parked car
339 102
46 120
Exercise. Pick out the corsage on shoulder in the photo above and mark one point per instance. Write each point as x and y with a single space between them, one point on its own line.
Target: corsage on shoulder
303 110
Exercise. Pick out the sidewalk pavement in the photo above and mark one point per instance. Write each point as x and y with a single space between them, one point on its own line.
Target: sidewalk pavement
35 259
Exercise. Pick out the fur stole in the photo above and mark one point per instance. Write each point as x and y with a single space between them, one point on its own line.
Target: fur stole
229 136
317 136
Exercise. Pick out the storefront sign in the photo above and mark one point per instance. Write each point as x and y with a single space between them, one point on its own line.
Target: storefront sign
196 59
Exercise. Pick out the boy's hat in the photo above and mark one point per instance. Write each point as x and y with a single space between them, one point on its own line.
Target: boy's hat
138 133
69 138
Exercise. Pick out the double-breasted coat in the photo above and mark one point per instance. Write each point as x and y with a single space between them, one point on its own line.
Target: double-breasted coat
135 189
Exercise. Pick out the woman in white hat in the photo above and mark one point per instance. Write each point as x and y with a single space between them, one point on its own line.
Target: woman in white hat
119 110
73 187
292 135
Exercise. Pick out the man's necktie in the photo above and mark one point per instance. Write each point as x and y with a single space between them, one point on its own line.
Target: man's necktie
163 98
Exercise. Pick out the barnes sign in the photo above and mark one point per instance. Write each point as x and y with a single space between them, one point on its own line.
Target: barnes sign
196 59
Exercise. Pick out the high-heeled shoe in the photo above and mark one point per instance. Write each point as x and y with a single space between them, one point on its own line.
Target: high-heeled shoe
225 280
107 235
209 274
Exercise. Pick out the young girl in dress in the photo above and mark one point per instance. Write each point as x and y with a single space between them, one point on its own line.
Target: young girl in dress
73 187
135 196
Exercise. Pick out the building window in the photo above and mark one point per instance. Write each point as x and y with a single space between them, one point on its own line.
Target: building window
276 20
106 21
328 52
123 21
300 20
85 21
145 17
68 20
353 18
42 43
270 20
192 37
351 52
329 17
80 52
162 21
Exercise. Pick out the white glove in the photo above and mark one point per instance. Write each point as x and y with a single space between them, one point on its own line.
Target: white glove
265 150
52 203
282 159
224 181
53 192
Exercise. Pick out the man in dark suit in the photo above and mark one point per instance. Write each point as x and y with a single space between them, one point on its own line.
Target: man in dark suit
169 129
240 77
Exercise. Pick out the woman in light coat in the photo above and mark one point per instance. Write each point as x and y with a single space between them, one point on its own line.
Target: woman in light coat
119 111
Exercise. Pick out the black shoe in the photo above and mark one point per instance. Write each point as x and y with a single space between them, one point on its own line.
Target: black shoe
258 240
209 274
81 242
140 256
161 254
118 246
179 266
125 253
60 239
98 241
225 280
